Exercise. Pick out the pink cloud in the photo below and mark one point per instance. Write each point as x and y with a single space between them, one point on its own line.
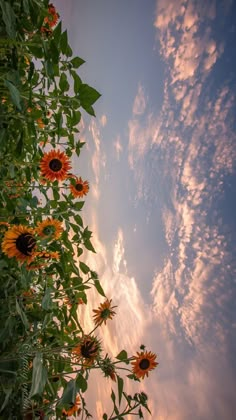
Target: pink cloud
140 100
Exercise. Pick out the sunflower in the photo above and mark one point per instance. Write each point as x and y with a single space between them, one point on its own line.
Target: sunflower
72 301
74 408
5 224
48 255
40 123
104 312
143 363
19 241
80 188
52 19
54 165
88 349
49 228
45 255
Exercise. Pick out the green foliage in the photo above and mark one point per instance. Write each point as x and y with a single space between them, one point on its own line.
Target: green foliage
42 100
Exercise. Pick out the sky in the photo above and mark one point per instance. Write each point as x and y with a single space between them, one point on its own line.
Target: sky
160 159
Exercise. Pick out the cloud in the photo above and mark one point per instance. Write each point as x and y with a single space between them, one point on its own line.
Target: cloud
118 147
131 311
118 252
184 155
103 120
98 159
140 101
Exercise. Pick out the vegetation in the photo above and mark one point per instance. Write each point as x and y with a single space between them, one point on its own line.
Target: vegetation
46 354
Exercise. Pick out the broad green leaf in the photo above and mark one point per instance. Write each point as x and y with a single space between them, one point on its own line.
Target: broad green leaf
79 205
84 268
77 82
64 42
78 220
89 110
77 62
76 117
69 394
104 416
122 355
88 245
88 95
120 384
36 51
39 377
81 383
99 288
63 83
57 34
26 6
15 94
9 18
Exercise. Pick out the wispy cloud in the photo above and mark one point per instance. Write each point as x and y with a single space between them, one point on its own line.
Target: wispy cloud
103 120
131 309
118 147
98 159
192 143
140 101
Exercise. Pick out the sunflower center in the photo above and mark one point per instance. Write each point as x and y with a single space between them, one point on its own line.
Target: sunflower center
88 350
79 187
49 230
55 165
105 313
25 243
144 364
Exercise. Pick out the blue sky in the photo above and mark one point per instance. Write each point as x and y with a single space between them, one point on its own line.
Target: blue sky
160 158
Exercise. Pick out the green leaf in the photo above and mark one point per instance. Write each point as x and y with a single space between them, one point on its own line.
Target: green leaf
77 81
89 246
7 392
84 268
76 117
113 396
9 18
64 42
69 394
47 300
81 383
63 83
88 96
49 68
36 51
39 377
79 205
99 288
31 71
15 94
120 384
57 34
104 416
77 62
78 220
26 6
122 355
24 319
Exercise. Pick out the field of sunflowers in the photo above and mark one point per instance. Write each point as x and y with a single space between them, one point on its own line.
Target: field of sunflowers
46 354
